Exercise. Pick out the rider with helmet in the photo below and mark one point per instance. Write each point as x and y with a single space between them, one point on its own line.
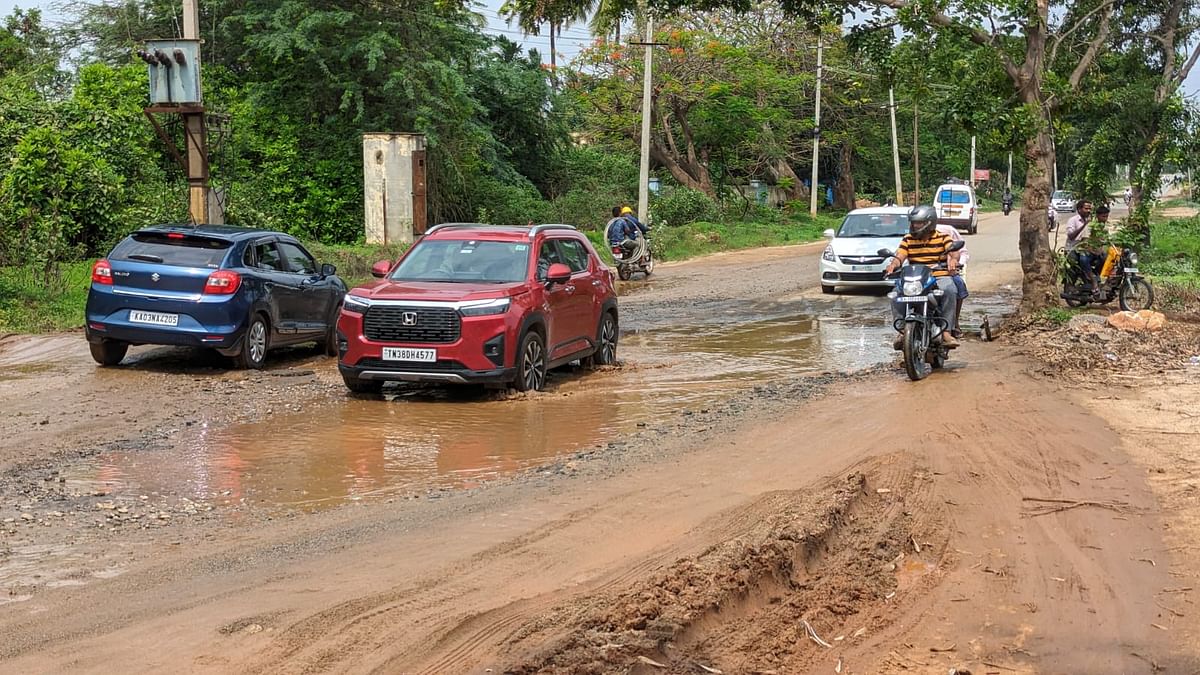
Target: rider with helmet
621 232
924 245
629 215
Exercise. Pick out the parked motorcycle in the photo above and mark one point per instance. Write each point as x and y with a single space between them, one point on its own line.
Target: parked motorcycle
1119 279
917 295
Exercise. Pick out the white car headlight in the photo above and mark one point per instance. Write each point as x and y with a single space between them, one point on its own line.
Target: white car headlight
912 287
828 254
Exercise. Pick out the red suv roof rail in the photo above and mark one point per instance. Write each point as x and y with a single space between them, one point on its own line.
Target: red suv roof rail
551 226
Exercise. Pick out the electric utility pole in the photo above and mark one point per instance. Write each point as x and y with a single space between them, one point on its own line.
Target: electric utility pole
812 202
895 148
197 141
972 161
644 166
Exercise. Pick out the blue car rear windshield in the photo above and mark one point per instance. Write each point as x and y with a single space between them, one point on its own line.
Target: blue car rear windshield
172 249
954 197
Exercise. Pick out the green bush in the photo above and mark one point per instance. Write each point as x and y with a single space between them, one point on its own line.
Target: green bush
57 202
498 203
683 206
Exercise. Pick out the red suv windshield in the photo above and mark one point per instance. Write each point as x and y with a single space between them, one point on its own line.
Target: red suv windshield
465 261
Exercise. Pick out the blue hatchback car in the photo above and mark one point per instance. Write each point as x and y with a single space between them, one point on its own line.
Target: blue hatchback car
237 290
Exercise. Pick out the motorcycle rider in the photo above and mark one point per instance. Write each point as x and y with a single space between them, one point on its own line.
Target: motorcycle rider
1078 233
924 245
959 281
1128 195
621 231
628 213
1007 199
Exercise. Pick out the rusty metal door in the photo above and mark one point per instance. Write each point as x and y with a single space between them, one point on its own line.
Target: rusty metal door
420 215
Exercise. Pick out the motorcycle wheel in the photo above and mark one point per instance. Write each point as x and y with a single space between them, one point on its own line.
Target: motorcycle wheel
648 268
1136 295
914 352
624 273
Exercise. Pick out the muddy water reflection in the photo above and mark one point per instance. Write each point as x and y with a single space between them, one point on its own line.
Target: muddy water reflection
419 439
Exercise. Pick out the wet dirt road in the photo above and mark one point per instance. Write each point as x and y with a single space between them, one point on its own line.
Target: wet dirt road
705 493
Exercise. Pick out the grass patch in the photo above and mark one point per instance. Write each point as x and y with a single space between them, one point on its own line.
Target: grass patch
1055 316
703 238
354 262
28 304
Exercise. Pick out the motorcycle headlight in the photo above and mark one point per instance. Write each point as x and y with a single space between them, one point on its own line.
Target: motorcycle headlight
356 304
912 287
1133 259
828 254
486 307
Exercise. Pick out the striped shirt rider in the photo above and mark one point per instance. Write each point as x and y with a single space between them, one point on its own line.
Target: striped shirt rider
929 251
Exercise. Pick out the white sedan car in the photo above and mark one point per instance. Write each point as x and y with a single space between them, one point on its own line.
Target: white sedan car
852 258
1062 201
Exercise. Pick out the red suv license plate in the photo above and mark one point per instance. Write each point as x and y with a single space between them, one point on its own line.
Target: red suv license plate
409 354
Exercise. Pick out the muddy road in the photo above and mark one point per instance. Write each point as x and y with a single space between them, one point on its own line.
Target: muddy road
755 482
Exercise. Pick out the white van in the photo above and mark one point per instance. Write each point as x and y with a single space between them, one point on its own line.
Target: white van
955 204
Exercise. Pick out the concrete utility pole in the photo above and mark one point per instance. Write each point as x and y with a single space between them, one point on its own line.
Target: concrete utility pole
1008 181
916 155
644 167
812 202
972 161
895 148
197 142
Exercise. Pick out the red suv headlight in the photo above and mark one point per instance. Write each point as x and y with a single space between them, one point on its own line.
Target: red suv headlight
486 307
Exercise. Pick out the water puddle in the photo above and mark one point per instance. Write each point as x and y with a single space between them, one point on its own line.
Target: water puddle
426 438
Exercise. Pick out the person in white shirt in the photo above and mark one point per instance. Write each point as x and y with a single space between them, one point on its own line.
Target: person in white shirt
959 282
1078 232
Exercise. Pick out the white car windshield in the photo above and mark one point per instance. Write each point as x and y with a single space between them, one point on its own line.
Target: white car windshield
874 225
465 261
1061 196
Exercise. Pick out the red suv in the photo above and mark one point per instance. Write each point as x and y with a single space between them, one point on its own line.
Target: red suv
480 304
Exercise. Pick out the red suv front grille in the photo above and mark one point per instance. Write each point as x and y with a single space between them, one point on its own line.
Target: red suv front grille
389 323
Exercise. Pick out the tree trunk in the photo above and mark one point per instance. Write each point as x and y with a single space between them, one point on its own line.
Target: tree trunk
690 174
1037 262
783 172
843 192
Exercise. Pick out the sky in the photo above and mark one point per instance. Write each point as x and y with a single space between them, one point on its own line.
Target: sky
574 37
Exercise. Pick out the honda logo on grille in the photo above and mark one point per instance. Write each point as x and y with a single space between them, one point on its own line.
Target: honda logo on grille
408 319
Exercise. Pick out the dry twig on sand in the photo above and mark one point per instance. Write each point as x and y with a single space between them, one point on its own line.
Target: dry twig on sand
1048 505
813 634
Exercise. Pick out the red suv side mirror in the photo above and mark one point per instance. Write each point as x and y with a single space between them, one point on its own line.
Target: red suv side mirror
380 269
558 274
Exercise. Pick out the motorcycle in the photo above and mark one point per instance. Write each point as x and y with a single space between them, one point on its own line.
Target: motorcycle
1119 279
917 295
641 259
1007 207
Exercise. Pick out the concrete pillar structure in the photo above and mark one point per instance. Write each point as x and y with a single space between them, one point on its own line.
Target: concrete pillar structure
393 187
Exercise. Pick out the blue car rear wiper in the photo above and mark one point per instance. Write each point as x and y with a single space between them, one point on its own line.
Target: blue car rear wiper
147 257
